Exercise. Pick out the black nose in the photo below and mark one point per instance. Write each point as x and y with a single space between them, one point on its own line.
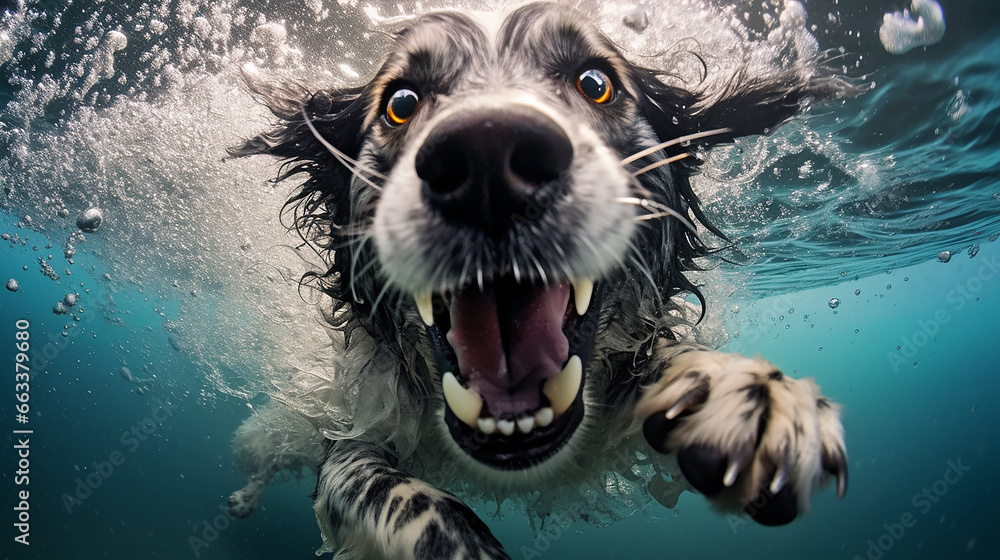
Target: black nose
489 167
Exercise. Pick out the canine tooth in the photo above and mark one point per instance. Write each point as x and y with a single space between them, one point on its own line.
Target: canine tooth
425 307
487 425
506 427
525 424
464 403
561 390
544 417
582 291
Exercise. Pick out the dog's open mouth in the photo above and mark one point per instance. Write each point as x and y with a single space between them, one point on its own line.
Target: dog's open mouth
512 358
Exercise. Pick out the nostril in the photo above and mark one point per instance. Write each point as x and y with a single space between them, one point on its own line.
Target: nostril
444 168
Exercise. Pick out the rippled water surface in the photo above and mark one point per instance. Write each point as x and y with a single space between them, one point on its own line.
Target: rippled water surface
862 249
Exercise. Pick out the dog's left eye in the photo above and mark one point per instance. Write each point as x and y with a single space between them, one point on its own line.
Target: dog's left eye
596 85
401 106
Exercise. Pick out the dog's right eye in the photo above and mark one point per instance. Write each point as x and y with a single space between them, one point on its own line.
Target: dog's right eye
401 106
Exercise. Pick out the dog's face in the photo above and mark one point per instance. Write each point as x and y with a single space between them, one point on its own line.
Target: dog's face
496 203
503 209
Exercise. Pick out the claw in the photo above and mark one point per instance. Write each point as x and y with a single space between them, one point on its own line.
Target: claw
836 464
737 463
694 396
780 477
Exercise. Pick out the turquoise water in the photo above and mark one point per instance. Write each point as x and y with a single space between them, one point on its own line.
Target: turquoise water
853 202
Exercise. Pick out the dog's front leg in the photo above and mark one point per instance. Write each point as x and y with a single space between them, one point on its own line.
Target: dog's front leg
366 506
747 436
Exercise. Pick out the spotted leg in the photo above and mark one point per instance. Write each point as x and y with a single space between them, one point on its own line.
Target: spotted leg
367 507
748 437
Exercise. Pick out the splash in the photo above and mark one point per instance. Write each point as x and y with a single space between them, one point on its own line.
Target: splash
900 33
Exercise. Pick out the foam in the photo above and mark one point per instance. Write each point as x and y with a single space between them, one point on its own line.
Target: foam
901 33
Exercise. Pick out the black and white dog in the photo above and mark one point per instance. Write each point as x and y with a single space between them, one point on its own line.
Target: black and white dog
506 214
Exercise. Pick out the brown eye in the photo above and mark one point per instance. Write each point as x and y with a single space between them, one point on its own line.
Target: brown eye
596 85
401 106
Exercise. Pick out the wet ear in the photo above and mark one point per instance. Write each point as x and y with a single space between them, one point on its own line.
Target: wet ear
337 115
745 104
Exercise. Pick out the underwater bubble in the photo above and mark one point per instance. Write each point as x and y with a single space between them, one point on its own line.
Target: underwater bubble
791 310
126 373
70 300
12 285
834 303
90 220
944 256
201 27
59 308
888 286
636 19
5 236
901 33
959 106
734 309
857 292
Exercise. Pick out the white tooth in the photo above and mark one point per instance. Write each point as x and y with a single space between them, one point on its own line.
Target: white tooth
544 417
561 390
506 427
487 425
525 424
464 403
425 307
582 290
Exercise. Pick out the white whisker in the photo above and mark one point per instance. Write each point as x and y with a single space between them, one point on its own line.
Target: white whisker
673 142
660 163
381 294
657 211
343 158
646 272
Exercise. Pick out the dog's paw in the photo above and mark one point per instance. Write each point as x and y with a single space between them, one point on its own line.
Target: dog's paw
747 436
243 502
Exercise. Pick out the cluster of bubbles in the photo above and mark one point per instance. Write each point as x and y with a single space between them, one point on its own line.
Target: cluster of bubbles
920 26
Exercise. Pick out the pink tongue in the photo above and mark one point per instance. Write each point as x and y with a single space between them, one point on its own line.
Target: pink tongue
524 320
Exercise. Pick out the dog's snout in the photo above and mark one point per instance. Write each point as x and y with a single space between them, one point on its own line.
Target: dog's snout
487 167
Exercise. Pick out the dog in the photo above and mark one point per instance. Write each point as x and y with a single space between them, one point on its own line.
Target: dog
507 218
